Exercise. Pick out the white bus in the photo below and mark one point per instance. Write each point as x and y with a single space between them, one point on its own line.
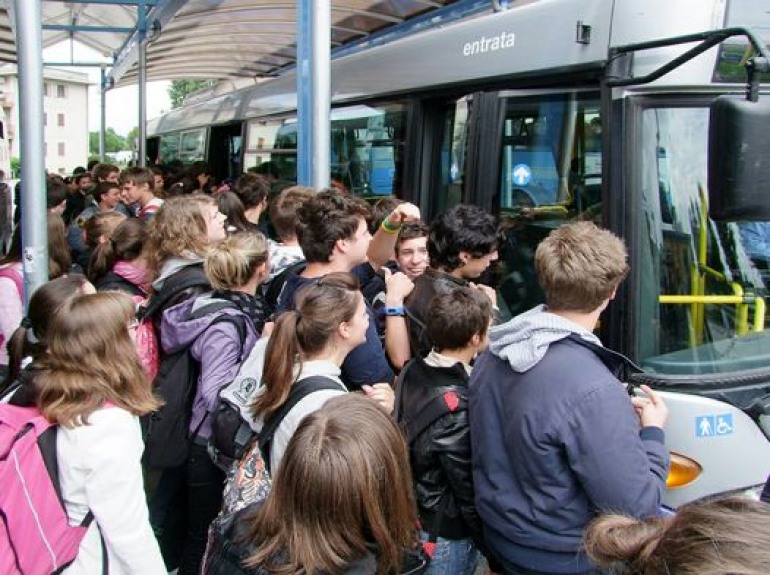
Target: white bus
544 113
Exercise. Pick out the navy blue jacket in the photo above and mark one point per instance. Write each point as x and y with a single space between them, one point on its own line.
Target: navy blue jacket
553 447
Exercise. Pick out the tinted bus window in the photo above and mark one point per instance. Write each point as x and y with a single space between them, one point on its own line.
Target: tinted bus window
365 149
169 147
193 146
687 255
551 168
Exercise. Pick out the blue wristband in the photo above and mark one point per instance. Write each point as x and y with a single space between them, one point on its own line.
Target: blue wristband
395 311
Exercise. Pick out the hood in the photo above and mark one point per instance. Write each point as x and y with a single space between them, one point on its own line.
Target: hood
524 340
179 330
171 266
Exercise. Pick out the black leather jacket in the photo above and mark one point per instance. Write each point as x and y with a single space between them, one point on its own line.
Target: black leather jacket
426 286
440 455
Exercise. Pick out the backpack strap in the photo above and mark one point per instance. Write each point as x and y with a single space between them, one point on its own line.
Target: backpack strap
193 276
17 279
299 390
276 284
437 407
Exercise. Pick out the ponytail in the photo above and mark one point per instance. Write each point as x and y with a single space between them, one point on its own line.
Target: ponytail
614 538
278 371
102 260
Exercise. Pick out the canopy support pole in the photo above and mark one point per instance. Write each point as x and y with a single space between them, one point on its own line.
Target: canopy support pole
313 93
34 240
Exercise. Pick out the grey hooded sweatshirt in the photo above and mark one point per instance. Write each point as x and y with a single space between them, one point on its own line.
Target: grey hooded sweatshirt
555 441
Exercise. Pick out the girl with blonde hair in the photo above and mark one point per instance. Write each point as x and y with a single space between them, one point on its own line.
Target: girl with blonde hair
220 329
92 384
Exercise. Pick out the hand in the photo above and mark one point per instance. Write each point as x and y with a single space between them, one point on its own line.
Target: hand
488 291
651 410
397 287
405 212
382 393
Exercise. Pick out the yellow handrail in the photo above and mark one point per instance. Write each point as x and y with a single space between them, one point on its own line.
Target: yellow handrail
738 300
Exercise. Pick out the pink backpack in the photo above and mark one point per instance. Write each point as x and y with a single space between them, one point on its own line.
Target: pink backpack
146 339
37 537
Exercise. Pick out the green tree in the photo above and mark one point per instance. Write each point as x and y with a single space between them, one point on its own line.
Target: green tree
179 89
112 142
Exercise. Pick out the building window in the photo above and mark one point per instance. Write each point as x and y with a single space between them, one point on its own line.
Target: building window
61 91
60 120
45 119
45 149
45 88
61 148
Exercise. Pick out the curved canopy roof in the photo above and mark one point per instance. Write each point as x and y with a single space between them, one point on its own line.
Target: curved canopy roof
207 39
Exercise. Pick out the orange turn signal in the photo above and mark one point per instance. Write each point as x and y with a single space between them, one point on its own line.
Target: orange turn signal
682 471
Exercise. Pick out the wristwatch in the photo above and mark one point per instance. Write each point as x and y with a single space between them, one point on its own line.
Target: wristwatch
395 311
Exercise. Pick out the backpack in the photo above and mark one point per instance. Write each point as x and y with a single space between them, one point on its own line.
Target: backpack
231 421
38 538
18 280
248 483
167 437
429 411
275 288
146 340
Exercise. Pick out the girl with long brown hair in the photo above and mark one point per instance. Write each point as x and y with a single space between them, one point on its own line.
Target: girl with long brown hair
328 321
120 263
341 502
92 384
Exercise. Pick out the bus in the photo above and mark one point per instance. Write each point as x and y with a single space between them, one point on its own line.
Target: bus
552 111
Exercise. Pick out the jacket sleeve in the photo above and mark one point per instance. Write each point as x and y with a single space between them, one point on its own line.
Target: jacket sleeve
621 469
451 439
219 349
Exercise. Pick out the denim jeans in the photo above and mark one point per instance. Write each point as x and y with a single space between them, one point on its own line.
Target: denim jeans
452 556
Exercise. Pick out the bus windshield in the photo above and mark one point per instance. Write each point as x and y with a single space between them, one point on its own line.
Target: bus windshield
703 283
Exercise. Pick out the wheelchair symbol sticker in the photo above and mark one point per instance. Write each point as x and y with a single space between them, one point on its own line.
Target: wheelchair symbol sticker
714 425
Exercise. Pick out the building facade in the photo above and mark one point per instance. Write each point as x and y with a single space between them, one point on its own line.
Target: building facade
65 116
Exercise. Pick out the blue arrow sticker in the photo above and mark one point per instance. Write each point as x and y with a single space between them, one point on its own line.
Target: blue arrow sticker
522 174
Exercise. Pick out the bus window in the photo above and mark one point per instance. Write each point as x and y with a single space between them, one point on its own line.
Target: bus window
686 257
551 168
453 152
192 146
366 148
169 147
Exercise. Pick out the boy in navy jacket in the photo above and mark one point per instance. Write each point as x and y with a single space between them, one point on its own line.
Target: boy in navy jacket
556 440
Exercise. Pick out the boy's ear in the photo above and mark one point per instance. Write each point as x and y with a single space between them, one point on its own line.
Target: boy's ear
476 339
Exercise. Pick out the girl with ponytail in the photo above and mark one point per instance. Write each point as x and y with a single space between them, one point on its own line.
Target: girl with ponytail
118 263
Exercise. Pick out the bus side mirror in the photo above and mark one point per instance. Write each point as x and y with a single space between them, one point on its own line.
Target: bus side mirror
739 159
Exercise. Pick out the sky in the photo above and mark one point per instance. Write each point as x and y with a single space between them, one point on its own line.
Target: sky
122 104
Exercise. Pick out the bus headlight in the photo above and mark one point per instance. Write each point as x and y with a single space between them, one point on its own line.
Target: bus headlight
682 471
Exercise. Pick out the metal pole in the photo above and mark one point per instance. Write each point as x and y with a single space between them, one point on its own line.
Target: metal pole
103 115
313 92
34 237
142 78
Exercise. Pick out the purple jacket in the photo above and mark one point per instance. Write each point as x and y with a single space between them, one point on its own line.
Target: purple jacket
217 346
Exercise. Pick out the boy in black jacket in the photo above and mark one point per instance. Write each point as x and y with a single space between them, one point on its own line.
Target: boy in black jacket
432 407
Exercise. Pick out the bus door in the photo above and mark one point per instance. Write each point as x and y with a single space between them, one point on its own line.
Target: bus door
550 174
225 154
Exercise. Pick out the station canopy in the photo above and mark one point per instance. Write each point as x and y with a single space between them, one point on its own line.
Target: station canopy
203 39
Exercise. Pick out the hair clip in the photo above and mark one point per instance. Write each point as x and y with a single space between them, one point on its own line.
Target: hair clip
26 323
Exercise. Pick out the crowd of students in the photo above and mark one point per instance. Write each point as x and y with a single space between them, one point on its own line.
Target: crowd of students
411 430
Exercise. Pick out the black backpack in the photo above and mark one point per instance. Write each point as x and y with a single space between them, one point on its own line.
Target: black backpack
248 484
275 287
167 438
